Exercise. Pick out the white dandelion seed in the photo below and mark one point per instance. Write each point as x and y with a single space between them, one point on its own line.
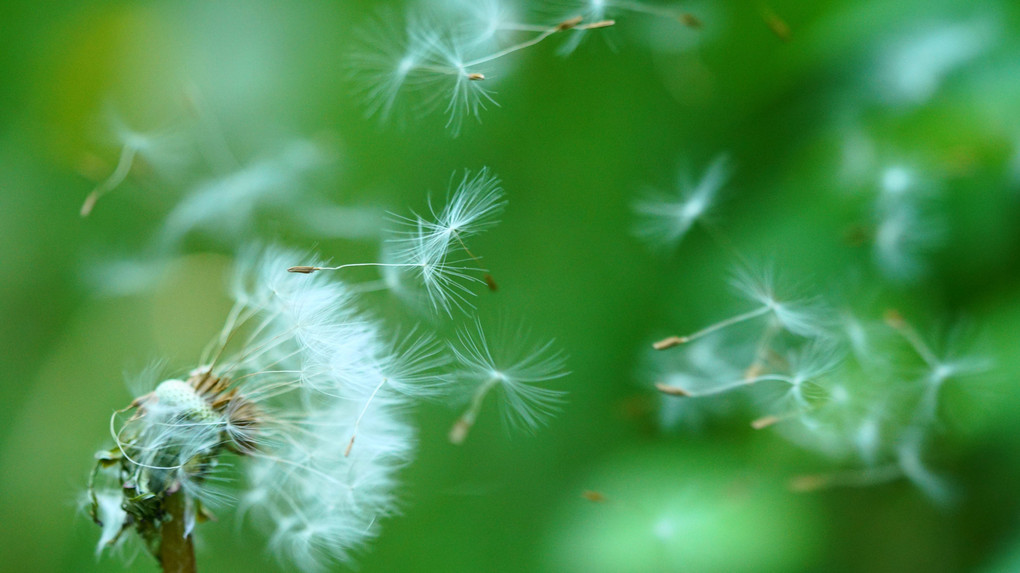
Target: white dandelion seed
435 248
939 367
446 61
801 316
664 219
804 317
434 251
510 369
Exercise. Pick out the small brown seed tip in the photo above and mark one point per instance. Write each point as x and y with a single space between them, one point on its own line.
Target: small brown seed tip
594 496
475 76
491 282
690 20
568 24
753 371
305 270
762 423
780 28
459 432
671 390
808 483
669 342
893 318
89 204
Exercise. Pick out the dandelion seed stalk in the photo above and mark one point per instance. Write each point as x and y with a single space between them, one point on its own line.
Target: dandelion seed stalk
895 320
719 389
463 424
672 341
307 270
571 24
127 158
850 478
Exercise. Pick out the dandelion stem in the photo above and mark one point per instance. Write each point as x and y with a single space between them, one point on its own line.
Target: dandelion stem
176 549
463 425
678 340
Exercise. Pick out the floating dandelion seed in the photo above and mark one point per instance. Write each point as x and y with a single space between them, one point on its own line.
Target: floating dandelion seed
803 317
434 249
510 369
938 369
445 64
664 219
804 367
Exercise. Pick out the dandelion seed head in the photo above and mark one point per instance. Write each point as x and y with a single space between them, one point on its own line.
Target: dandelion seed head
297 370
177 395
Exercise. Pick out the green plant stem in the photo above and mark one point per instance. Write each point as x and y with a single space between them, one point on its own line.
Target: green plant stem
176 550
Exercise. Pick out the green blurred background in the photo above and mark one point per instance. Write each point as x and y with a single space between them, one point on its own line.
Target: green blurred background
575 139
